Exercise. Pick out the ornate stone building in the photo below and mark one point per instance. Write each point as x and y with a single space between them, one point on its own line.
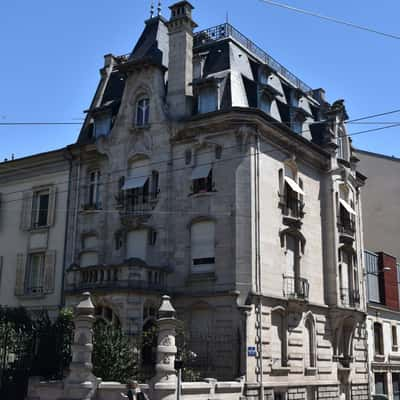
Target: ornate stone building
206 170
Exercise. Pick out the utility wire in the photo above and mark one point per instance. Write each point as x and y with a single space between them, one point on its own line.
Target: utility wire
12 169
186 167
331 19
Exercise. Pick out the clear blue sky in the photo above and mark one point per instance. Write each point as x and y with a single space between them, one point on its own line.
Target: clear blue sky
52 51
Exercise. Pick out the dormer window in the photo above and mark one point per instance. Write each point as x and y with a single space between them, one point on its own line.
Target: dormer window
143 112
208 99
265 104
102 125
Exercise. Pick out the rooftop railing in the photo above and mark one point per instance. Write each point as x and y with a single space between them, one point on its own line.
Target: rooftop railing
226 30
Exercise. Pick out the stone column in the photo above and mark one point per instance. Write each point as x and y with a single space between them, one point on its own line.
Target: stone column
81 384
165 380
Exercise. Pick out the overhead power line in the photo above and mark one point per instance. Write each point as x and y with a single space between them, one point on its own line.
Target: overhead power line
331 19
174 159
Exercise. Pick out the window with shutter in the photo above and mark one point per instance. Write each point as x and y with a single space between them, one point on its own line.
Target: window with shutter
20 275
203 246
26 211
34 279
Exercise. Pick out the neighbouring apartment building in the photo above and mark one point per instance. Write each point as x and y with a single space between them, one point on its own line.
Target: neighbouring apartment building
33 209
383 283
381 203
206 170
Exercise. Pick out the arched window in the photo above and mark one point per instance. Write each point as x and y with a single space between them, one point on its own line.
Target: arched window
143 111
309 343
279 339
202 237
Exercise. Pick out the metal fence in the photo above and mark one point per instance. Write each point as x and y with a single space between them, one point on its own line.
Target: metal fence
228 31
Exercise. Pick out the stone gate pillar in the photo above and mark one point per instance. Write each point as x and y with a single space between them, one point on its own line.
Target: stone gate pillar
81 384
165 380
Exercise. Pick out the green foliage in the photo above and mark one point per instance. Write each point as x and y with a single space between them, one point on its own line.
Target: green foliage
114 354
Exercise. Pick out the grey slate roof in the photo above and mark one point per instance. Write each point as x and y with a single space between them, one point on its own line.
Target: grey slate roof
153 44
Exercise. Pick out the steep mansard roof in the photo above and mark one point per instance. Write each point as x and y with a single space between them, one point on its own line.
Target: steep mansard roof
242 70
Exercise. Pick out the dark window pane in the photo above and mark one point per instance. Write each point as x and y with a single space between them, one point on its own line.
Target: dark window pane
43 209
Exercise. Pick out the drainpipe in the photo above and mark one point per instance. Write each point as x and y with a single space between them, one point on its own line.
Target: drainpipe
258 265
68 157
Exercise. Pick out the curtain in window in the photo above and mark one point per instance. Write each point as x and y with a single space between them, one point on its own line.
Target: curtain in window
208 100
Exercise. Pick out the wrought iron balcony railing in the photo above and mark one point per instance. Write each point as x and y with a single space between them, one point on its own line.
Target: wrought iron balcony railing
296 288
226 30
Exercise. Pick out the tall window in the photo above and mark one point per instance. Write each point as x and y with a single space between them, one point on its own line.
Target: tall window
378 339
309 343
35 273
380 384
292 193
348 277
136 244
202 173
40 208
203 246
346 211
278 339
138 188
143 112
208 99
394 338
94 199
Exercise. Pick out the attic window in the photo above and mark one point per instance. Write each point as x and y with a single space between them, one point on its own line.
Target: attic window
143 112
102 125
208 99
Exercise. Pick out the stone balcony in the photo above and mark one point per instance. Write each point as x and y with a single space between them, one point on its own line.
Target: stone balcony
132 275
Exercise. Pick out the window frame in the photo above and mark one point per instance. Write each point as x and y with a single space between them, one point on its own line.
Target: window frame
37 208
203 264
142 112
94 189
30 289
379 349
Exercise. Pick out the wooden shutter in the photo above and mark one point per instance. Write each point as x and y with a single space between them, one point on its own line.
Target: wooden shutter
26 212
20 275
49 271
52 205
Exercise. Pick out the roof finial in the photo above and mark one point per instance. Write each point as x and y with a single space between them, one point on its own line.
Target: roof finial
159 8
152 9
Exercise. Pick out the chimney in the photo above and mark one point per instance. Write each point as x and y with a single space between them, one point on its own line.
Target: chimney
180 66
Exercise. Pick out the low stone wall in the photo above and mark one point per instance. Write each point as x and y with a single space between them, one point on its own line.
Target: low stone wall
209 389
